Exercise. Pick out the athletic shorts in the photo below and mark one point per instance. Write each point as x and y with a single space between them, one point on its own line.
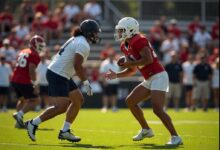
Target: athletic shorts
159 81
24 90
110 89
59 86
43 90
174 91
4 90
201 90
188 87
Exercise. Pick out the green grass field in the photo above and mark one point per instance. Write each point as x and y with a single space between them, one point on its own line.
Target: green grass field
199 131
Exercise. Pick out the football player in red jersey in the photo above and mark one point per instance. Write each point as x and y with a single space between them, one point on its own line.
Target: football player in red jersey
156 83
24 78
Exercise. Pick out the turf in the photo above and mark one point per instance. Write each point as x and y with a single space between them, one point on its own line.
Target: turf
199 131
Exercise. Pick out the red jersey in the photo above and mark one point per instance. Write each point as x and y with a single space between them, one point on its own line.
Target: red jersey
21 71
136 44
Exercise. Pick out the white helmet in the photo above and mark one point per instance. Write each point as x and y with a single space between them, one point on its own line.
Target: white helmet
128 27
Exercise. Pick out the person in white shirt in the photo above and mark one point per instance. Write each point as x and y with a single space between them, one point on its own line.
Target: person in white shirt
5 72
71 10
188 68
93 9
110 87
202 38
22 30
169 45
215 84
8 51
65 94
42 80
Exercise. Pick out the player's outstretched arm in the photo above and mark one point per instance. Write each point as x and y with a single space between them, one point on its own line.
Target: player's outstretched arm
124 73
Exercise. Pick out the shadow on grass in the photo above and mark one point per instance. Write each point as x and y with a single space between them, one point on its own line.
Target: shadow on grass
152 146
76 145
46 129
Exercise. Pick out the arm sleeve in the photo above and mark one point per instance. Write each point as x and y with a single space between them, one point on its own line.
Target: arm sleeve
82 50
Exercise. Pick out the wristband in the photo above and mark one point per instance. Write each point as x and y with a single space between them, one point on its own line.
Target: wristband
86 82
34 82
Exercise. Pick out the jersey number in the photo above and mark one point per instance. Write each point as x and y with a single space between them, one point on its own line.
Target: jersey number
22 60
63 47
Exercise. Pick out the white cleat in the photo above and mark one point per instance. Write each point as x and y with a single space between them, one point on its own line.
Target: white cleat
143 133
31 129
175 140
68 136
19 120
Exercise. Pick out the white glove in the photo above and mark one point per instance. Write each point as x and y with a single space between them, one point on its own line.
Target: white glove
88 88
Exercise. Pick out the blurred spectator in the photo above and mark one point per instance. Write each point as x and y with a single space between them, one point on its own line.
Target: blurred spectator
5 72
173 28
202 75
110 87
37 26
27 11
202 38
22 29
192 28
215 33
163 24
41 7
93 9
214 55
157 35
168 45
53 27
42 81
188 68
60 15
9 52
215 84
71 10
56 48
6 21
175 73
107 49
15 41
184 52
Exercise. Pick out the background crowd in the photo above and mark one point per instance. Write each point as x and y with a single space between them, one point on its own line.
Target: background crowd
190 57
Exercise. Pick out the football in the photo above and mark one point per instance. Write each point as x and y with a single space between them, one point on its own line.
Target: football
121 60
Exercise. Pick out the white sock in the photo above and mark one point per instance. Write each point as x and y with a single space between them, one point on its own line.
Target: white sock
20 113
66 126
36 121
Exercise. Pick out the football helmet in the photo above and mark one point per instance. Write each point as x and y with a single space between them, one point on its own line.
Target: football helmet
90 30
126 28
37 43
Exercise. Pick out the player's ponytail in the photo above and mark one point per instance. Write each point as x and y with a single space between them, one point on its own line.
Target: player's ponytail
76 31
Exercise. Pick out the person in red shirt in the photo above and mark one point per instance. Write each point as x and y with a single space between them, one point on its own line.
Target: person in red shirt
215 33
6 20
24 79
173 28
193 27
41 7
140 55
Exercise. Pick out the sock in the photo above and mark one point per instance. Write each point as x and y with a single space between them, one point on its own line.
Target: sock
20 113
66 126
36 121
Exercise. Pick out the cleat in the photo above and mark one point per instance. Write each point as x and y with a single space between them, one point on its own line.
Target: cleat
18 126
19 120
144 133
68 136
175 140
31 129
